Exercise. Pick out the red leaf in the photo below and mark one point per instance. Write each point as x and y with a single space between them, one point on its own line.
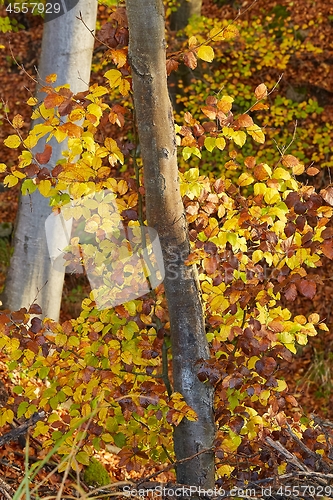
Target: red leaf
44 157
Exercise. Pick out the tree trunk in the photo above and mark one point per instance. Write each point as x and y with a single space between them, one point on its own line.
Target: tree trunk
165 213
67 48
188 8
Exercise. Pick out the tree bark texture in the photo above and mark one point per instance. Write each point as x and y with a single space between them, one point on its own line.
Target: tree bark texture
187 8
165 213
67 48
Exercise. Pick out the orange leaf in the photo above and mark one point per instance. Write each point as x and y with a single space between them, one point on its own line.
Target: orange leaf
261 91
51 78
259 105
312 171
209 111
53 100
18 121
290 161
71 129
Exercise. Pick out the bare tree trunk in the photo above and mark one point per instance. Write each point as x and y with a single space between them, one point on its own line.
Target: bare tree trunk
188 8
67 48
165 213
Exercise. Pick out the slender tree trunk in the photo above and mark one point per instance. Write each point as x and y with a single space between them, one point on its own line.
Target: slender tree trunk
187 8
67 51
165 213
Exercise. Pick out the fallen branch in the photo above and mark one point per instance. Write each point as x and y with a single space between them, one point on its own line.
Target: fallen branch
21 429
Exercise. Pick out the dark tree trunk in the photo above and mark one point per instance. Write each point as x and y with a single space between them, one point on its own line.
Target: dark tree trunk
165 213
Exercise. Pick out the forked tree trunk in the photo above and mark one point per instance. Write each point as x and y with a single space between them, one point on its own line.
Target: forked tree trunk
67 48
165 213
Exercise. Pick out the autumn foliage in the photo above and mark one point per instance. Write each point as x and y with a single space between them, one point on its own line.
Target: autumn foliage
256 235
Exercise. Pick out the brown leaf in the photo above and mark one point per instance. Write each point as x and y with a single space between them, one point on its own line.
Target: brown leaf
327 249
291 199
327 194
190 59
307 288
327 233
291 292
66 107
244 121
265 366
171 65
289 229
35 309
44 157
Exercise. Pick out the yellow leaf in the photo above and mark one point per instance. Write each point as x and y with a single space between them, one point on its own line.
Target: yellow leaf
256 133
206 53
220 143
60 135
192 42
114 77
272 196
225 104
124 87
44 187
31 141
245 179
3 168
298 169
12 141
25 159
32 101
216 34
19 174
10 180
239 138
76 115
230 32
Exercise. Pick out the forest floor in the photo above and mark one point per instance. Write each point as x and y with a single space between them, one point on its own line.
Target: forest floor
310 377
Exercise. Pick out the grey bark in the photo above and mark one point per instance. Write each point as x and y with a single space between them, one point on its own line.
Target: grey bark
187 9
67 48
165 213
